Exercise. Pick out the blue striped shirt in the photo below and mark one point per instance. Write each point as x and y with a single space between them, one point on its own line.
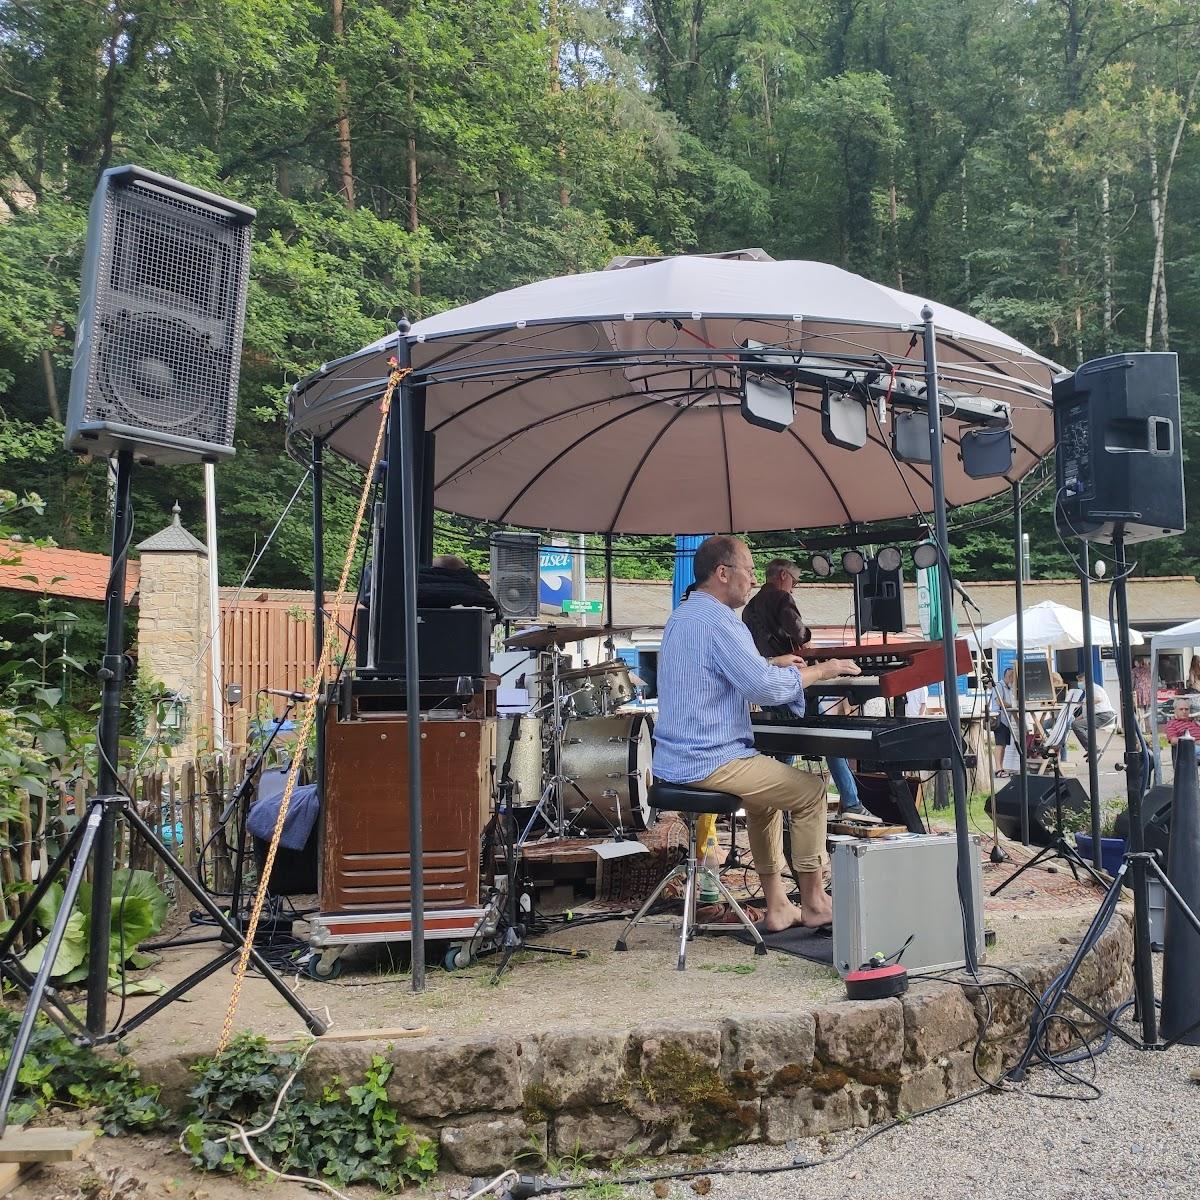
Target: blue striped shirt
709 673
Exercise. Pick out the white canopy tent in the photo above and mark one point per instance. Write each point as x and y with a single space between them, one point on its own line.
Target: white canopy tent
1050 626
1177 637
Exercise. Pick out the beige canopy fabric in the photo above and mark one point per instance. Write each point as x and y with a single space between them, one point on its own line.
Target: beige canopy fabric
610 401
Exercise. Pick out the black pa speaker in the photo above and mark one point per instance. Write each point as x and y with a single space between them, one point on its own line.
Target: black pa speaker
516 572
159 338
1041 806
1156 820
1119 459
882 598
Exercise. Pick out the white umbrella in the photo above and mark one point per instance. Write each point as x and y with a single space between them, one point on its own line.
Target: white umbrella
609 401
1050 626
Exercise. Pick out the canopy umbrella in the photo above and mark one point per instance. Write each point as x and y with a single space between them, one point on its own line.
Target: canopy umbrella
1050 626
612 402
609 401
1177 637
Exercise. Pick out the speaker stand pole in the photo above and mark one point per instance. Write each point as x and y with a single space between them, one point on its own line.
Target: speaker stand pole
1143 964
1089 683
950 684
1019 673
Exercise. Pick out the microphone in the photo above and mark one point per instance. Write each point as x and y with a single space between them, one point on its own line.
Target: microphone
962 591
284 694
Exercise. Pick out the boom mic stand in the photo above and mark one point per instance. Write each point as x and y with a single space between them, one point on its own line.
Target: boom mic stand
93 839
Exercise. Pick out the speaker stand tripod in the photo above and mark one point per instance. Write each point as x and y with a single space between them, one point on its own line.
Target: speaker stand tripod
1058 846
94 840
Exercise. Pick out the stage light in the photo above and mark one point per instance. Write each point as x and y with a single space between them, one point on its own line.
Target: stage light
843 419
888 559
986 453
910 437
924 555
821 565
768 396
853 562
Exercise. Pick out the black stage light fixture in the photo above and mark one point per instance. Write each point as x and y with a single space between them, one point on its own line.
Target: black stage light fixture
822 565
986 453
924 555
768 387
888 558
910 437
853 563
843 418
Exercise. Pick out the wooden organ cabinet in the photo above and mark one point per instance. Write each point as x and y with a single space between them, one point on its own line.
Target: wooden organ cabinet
365 885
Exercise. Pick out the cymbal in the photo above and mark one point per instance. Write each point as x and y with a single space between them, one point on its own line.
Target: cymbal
545 636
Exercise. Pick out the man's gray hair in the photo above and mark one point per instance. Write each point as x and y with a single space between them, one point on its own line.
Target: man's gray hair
777 566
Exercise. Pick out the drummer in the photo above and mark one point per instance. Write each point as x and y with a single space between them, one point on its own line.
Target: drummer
709 673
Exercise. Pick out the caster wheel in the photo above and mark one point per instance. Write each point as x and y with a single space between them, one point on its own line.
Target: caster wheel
456 958
318 968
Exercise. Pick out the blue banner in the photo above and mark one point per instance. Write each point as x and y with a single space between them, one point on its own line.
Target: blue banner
686 545
555 576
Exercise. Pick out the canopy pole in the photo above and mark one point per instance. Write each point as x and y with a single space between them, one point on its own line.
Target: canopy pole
1019 674
950 686
1085 600
318 520
407 445
608 580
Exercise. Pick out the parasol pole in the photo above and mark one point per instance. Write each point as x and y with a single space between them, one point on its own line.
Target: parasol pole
608 581
1019 673
950 687
1085 600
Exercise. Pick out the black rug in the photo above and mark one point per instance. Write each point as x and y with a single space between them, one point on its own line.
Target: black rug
798 941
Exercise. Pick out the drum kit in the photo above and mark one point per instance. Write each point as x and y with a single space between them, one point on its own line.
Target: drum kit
579 762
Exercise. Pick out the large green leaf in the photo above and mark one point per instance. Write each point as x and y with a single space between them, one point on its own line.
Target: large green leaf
72 952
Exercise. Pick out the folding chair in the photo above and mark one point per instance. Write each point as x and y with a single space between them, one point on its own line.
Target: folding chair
1055 741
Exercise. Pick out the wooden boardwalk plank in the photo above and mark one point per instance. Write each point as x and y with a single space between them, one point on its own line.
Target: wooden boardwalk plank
44 1145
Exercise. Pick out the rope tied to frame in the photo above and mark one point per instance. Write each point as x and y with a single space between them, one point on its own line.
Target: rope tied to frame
328 650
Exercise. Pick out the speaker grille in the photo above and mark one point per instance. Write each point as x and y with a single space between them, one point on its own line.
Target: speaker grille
160 331
515 571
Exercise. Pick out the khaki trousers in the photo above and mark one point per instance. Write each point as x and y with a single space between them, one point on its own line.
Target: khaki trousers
768 789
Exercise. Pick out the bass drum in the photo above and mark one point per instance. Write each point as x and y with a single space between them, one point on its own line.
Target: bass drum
608 759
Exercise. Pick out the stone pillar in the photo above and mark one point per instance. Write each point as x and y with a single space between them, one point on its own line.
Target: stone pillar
173 628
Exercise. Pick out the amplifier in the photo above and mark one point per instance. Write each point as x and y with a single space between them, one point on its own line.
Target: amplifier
885 891
451 642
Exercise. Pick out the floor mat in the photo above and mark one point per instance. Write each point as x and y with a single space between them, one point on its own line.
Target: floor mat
798 941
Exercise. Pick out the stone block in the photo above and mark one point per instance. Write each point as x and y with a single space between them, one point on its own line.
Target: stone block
938 1018
659 1043
922 1088
865 1037
492 1145
601 1133
459 1075
758 1048
807 1114
573 1068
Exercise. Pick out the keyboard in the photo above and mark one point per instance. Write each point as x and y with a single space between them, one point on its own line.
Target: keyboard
888 670
895 743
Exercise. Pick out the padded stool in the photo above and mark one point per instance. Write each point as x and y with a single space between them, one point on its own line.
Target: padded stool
690 802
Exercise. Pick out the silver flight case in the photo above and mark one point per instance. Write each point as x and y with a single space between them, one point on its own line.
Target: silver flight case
884 890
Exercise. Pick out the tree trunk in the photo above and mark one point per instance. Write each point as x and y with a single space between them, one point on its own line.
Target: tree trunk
345 160
1156 221
564 195
1107 254
414 181
51 386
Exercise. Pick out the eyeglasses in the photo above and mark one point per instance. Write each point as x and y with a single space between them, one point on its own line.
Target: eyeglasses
737 567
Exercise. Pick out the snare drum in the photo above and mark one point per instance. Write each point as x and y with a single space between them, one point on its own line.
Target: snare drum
596 690
608 760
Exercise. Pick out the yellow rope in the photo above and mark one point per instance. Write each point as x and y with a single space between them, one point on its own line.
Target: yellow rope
327 652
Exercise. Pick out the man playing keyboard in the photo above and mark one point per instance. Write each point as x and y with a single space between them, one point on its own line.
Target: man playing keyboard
709 673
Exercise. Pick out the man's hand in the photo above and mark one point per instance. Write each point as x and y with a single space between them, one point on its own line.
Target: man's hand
832 668
786 660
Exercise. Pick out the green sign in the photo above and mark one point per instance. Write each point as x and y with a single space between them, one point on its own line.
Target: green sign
582 606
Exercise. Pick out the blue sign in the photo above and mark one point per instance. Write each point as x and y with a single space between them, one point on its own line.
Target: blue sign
555 574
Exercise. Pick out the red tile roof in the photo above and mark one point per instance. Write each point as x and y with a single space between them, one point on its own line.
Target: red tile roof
78 573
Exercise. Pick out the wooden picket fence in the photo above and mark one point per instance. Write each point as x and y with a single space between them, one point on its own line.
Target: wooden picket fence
182 802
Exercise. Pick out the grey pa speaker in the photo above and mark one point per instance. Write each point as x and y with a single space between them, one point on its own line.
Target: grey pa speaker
159 337
516 571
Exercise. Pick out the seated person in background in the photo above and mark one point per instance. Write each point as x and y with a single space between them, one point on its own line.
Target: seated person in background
1183 723
1105 716
709 673
775 624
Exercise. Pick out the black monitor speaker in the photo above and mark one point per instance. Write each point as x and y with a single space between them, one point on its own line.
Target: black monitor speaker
881 598
159 338
1042 813
1119 456
515 574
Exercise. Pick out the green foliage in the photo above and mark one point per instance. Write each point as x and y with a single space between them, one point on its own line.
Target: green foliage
346 1134
55 1071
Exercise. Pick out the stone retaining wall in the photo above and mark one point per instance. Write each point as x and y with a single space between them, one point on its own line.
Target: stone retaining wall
676 1085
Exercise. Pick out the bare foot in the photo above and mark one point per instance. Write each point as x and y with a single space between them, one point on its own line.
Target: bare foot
785 917
815 917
